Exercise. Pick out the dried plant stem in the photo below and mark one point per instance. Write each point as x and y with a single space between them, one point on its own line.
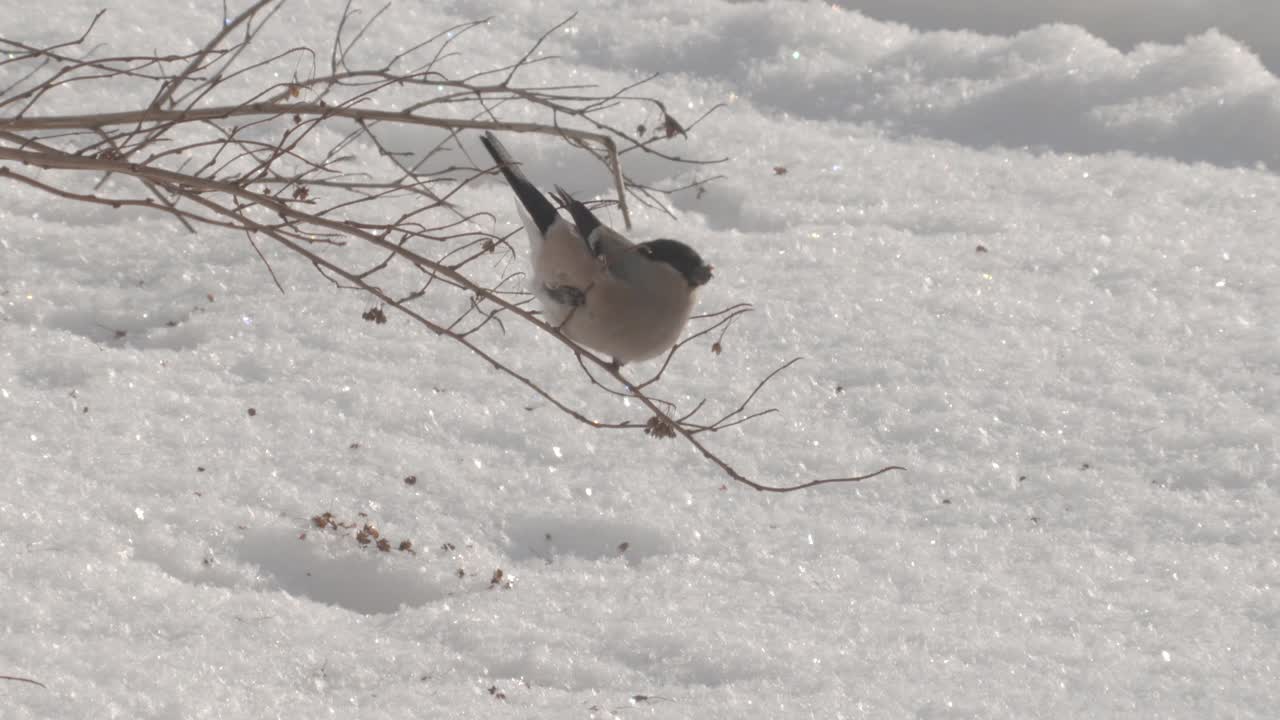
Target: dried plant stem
24 680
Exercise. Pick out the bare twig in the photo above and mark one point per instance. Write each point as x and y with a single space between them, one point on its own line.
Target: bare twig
25 680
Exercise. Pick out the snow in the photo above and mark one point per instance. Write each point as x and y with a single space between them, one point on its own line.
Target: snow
1088 409
1124 24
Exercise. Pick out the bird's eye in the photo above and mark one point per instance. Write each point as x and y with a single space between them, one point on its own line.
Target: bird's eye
646 251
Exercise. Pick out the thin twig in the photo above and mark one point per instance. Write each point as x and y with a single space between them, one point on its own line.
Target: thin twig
25 680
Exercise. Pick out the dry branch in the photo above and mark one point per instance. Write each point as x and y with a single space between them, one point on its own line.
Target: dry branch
13 678
222 143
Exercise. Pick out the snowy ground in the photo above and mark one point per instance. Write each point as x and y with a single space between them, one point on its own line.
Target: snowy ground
1090 524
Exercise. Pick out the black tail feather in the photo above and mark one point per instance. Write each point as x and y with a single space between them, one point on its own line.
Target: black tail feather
535 203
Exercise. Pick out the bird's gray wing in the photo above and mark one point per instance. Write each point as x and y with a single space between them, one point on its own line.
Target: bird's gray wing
586 221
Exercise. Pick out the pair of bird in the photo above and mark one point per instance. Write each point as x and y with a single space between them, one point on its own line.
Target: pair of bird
630 301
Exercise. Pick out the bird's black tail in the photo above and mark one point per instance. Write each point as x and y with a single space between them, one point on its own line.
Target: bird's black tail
535 203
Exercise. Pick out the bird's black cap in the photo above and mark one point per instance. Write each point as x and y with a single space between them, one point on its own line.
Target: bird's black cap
679 256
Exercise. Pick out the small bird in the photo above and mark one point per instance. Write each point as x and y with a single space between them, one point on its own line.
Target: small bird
630 301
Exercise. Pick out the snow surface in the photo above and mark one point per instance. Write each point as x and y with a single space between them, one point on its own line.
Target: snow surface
1090 524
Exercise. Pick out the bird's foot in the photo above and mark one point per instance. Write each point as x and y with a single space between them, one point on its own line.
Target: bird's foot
566 295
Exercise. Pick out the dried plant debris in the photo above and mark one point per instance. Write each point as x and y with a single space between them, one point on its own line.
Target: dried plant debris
366 533
326 520
659 427
375 315
501 580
